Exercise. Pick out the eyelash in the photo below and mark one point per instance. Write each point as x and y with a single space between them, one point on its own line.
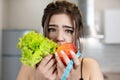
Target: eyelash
51 30
69 31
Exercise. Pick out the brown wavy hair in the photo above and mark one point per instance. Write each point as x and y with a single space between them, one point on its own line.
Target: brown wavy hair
60 7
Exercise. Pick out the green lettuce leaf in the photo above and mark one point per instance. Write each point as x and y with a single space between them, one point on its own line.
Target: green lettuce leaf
35 47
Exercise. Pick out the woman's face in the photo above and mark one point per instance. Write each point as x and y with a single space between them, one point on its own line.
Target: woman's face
61 29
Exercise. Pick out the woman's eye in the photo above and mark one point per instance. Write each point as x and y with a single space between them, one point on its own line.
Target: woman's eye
69 31
51 30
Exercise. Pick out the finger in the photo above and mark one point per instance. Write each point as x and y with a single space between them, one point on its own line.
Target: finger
51 64
59 62
65 57
54 75
75 59
52 69
46 60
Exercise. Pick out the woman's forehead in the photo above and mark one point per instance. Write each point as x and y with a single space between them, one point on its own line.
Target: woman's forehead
62 19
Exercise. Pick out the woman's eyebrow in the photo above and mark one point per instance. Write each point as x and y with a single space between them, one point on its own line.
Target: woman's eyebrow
52 25
66 26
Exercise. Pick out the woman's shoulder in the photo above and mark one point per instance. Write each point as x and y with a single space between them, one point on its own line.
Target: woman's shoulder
90 63
92 67
27 68
26 72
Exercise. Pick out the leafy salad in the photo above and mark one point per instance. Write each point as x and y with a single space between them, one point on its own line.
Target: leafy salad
35 47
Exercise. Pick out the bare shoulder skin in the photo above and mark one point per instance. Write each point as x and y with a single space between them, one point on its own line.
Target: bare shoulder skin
91 70
26 73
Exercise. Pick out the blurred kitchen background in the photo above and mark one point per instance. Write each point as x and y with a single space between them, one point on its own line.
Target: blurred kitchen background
101 23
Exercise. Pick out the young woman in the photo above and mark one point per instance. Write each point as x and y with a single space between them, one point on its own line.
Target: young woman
62 22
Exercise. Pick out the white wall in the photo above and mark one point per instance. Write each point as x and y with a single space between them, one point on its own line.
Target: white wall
5 13
26 14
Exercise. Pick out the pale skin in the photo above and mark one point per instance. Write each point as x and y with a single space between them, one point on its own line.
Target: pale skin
61 30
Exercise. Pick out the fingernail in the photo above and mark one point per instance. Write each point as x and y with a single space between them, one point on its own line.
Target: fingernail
56 54
72 52
62 52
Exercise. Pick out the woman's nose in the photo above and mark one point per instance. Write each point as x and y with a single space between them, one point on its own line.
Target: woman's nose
60 37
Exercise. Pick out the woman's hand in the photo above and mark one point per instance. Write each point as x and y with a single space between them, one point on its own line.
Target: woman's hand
74 73
46 70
